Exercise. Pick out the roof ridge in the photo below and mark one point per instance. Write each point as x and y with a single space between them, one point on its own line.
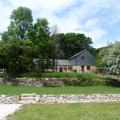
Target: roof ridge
77 53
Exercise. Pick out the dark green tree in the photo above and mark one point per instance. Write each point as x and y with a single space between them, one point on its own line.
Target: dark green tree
72 43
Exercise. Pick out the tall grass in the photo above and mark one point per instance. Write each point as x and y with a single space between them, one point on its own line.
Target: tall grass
60 75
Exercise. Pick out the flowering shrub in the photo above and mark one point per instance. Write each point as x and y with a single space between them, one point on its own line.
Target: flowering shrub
109 59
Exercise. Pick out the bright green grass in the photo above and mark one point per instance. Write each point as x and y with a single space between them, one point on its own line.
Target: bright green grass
88 111
16 90
60 75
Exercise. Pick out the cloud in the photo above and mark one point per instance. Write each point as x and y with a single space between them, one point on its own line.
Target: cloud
96 34
92 23
86 16
4 19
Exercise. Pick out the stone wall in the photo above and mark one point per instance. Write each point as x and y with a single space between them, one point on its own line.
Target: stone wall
82 98
7 99
35 81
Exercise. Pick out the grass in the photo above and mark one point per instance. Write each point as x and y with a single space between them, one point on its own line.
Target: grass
16 90
1 75
77 111
59 75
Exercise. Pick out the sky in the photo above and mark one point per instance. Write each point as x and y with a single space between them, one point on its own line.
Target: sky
97 19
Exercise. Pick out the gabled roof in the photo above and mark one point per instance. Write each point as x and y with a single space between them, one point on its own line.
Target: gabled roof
74 60
79 54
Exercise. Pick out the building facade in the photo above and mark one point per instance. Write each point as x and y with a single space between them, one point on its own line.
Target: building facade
82 62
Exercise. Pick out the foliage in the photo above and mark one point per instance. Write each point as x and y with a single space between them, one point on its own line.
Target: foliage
113 82
109 59
1 75
72 43
59 75
21 23
3 55
23 41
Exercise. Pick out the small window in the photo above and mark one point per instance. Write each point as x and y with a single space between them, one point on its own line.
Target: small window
82 58
88 67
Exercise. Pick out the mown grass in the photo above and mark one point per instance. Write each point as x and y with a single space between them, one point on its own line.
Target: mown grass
59 75
77 111
16 90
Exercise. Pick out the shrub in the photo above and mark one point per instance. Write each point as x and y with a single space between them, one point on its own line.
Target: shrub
1 75
113 82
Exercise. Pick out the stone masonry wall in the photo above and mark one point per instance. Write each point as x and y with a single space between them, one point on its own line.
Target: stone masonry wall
35 81
8 99
82 98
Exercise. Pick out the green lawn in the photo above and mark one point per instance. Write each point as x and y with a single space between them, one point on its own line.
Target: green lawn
77 111
16 90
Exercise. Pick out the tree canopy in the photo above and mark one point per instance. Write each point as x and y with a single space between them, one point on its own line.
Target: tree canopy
72 43
24 41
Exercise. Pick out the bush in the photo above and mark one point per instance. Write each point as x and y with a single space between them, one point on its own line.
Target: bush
1 75
82 81
113 82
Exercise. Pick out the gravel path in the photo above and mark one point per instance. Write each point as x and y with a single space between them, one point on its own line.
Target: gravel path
7 109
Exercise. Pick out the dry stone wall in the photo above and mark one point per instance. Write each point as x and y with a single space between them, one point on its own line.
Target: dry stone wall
82 98
35 81
7 99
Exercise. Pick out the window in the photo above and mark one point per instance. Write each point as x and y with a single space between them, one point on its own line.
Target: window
82 58
88 67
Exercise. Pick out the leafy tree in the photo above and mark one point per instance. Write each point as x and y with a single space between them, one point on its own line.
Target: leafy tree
3 55
41 29
109 59
42 42
72 43
20 24
18 49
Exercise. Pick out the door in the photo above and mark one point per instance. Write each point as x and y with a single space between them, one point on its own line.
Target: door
82 68
60 69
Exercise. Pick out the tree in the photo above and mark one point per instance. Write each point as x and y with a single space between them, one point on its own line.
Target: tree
109 59
42 42
41 29
3 55
20 24
56 50
72 43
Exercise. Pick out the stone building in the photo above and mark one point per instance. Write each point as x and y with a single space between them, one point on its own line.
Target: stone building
82 62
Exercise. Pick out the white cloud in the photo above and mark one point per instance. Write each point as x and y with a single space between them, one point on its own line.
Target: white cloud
4 19
83 15
97 37
96 34
92 23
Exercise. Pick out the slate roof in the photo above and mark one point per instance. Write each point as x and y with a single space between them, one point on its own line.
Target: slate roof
89 59
74 60
63 62
78 53
57 62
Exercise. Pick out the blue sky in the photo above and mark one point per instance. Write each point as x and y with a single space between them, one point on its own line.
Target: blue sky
98 19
